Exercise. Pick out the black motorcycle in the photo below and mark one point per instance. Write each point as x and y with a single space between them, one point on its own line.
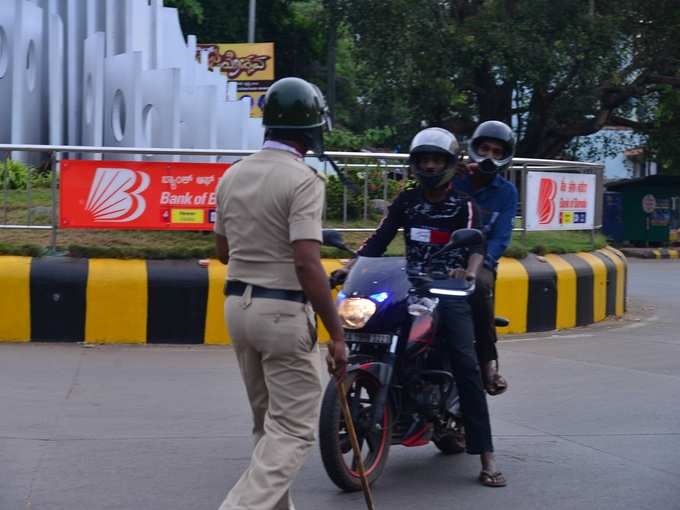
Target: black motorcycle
399 386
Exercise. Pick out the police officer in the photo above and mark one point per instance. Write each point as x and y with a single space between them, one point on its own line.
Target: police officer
268 227
491 149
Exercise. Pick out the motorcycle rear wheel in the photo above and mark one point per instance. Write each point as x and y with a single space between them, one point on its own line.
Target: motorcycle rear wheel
334 443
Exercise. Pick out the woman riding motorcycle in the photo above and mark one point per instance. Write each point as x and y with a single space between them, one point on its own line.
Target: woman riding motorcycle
429 213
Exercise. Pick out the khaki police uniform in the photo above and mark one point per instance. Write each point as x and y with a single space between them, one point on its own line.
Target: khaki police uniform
264 203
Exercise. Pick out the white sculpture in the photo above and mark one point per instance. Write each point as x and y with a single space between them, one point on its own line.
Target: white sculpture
112 73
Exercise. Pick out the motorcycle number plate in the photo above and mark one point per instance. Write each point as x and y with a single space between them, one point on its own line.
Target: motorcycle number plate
368 338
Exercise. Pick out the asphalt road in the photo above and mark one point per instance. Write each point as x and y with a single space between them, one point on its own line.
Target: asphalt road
591 420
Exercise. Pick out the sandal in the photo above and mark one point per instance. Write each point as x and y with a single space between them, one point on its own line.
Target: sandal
497 384
490 479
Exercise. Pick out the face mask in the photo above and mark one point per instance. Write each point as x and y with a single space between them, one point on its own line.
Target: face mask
488 167
437 180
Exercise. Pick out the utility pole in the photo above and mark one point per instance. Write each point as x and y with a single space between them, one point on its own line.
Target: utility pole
251 22
331 57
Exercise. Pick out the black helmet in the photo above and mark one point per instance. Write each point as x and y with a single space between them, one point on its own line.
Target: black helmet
499 132
295 105
438 141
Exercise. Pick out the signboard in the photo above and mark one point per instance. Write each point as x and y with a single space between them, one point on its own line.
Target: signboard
138 195
559 201
253 92
251 65
241 62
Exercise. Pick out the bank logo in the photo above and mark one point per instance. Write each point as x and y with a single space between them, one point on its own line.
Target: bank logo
116 195
546 201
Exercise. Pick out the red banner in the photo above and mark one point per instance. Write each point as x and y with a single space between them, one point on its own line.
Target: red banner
138 195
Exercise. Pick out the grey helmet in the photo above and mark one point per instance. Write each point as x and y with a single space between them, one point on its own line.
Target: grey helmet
439 141
499 132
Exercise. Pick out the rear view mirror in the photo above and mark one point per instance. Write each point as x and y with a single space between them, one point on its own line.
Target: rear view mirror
334 238
466 237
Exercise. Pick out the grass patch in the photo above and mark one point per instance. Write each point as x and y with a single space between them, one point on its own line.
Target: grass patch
24 250
194 245
145 244
15 206
542 243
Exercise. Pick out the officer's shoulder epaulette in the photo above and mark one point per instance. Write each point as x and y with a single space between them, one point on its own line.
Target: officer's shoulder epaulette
317 173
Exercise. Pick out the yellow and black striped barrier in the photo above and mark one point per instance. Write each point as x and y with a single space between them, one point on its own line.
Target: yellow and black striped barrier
652 253
561 291
666 253
148 301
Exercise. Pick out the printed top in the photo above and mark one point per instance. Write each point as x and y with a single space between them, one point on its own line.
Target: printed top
427 228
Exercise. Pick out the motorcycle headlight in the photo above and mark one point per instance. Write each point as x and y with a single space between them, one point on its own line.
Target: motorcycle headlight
355 312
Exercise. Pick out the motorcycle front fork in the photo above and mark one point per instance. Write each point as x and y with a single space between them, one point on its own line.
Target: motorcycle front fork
389 360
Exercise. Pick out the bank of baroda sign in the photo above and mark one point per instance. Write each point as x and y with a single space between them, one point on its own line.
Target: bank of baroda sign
138 195
559 201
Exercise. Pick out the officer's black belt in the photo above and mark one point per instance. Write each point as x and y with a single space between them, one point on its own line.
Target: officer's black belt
236 288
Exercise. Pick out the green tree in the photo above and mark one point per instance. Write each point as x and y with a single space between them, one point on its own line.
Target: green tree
295 26
188 8
299 29
555 70
664 132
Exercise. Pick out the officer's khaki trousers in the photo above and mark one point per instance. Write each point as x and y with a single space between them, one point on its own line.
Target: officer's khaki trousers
275 343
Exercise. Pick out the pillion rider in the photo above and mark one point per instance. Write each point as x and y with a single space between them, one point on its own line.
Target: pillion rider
491 150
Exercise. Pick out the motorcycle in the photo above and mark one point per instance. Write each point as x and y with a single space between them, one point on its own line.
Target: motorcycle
400 388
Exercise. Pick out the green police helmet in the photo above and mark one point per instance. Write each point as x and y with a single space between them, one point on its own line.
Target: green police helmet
293 103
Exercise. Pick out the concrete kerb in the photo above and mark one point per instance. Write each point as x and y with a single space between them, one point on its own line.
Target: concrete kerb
179 302
652 253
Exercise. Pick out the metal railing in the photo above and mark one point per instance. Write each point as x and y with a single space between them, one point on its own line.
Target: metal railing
360 165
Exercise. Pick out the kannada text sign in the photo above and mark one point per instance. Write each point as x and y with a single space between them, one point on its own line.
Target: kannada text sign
138 195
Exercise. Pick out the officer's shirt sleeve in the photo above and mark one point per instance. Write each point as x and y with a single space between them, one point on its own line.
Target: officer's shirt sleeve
306 210
218 227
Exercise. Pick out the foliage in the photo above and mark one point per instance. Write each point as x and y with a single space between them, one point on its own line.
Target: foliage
542 243
607 143
554 70
341 139
296 26
15 175
191 245
373 180
189 8
24 250
664 133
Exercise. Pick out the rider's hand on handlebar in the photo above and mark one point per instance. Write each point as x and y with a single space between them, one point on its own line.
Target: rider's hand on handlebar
338 277
462 274
336 360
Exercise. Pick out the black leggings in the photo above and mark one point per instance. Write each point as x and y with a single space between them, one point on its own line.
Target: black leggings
483 315
456 334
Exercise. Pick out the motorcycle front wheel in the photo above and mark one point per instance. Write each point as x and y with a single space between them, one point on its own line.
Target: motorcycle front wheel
334 442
